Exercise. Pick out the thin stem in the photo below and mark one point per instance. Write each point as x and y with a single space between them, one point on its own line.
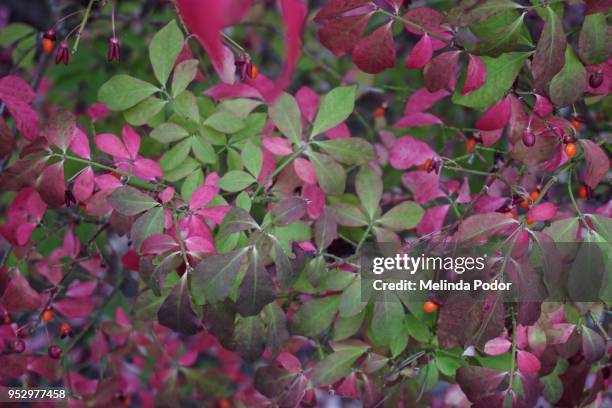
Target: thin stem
415 26
363 238
233 43
179 237
599 326
574 203
82 26
513 354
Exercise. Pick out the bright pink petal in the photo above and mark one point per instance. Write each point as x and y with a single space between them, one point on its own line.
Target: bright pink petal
277 145
305 170
527 362
433 220
421 53
497 346
543 212
408 151
418 119
111 144
496 116
80 144
131 140
476 75
84 185
147 169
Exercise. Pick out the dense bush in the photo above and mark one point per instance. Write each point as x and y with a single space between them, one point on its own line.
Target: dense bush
187 189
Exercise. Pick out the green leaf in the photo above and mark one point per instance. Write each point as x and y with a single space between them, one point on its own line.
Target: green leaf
224 122
276 328
351 302
351 151
128 201
501 73
549 55
337 365
121 92
386 319
13 32
215 276
142 112
417 329
447 363
403 216
151 222
188 166
315 316
595 37
501 33
252 158
236 180
240 107
345 327
330 175
471 11
569 84
348 215
202 150
369 189
335 108
428 376
168 132
236 220
165 47
285 113
185 104
184 73
191 184
175 156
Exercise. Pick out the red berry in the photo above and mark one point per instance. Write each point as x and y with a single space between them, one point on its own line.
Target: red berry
254 71
524 204
583 191
534 195
65 330
379 112
18 346
430 307
469 147
570 150
48 41
47 315
54 352
596 79
530 221
575 124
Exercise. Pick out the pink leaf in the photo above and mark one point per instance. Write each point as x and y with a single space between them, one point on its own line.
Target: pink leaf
315 200
305 170
108 182
147 169
277 145
422 100
268 166
166 195
543 106
423 185
433 219
202 196
200 245
497 346
341 34
421 53
426 17
308 101
19 295
74 308
289 362
418 119
17 95
439 73
84 185
110 144
215 213
476 75
597 163
408 151
237 90
543 212
376 52
158 243
131 140
97 111
80 144
79 289
51 185
340 131
527 362
23 232
496 116
491 137
60 127
348 387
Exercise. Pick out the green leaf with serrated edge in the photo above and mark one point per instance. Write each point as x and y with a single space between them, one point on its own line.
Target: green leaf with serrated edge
151 222
501 73
249 336
169 132
403 216
595 37
236 180
176 312
252 158
185 104
184 73
569 84
256 289
191 184
285 113
335 108
240 107
128 201
175 156
348 215
121 92
236 220
184 169
276 328
330 175
215 276
351 151
336 365
142 112
202 150
315 316
224 122
165 47
369 189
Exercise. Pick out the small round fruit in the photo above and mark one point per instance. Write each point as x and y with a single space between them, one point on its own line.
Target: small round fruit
48 41
254 71
430 307
583 192
65 330
575 124
530 221
570 150
425 166
18 346
524 204
47 315
469 146
528 138
596 79
534 195
379 112
54 352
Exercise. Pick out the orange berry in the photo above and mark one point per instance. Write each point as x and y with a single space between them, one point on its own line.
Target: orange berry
575 124
254 71
570 150
530 221
379 112
47 315
48 45
534 195
524 204
509 214
430 307
224 403
425 165
582 191
469 147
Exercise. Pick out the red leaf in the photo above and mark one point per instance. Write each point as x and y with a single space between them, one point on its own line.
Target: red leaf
426 17
51 185
202 196
84 185
597 163
549 56
376 52
423 185
60 127
131 141
489 138
433 219
496 116
421 53
111 144
348 387
200 245
337 8
147 169
440 70
74 308
97 111
340 36
80 144
7 140
418 119
527 362
422 100
17 96
158 243
277 145
476 75
542 106
19 295
543 212
408 151
497 346
305 170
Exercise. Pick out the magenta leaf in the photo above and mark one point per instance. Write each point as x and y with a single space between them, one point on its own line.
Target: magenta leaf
51 185
433 220
60 127
597 163
80 144
527 362
476 75
158 244
543 106
305 170
74 308
496 117
439 72
481 385
341 35
480 228
376 52
19 295
549 56
422 100
111 144
84 185
17 96
408 151
277 145
418 119
288 211
497 346
543 212
424 185
593 345
421 53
